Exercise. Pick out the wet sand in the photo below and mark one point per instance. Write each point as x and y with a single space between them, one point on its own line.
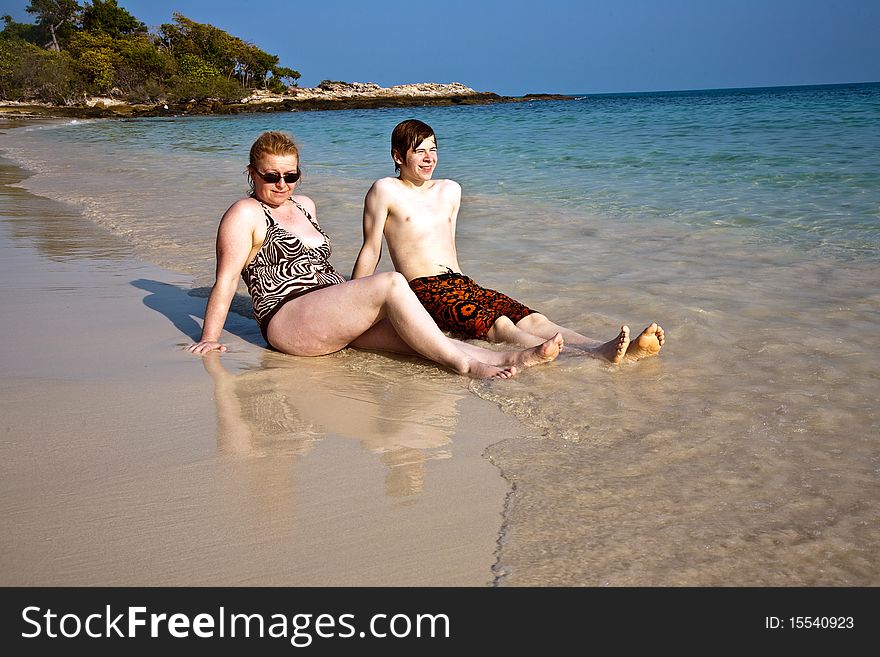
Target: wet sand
743 456
127 461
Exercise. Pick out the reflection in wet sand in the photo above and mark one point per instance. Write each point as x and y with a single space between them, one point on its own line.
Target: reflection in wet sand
285 406
50 233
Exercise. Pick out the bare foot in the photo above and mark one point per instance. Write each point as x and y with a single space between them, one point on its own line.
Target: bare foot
613 350
647 344
543 353
480 370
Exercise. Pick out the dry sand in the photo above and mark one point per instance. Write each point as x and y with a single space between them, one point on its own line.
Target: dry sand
124 460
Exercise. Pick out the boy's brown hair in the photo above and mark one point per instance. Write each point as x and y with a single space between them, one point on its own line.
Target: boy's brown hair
407 135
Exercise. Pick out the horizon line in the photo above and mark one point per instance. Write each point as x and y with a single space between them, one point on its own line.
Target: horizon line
704 89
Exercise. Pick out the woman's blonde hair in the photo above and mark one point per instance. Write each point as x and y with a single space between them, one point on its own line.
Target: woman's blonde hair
271 142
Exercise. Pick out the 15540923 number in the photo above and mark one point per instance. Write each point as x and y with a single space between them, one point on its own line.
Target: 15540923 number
822 622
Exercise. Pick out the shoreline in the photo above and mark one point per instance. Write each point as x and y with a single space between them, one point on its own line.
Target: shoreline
127 462
333 96
742 455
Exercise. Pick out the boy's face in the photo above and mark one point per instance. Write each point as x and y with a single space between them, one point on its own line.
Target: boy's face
420 161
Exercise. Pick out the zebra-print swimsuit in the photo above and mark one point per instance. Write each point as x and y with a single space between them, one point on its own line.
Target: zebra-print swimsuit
285 268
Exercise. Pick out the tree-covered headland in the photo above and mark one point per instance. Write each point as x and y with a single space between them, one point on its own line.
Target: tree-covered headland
73 51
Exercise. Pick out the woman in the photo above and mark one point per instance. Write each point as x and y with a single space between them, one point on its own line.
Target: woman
303 305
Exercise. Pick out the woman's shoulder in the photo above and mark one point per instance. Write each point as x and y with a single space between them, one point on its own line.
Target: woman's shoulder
244 211
246 204
305 202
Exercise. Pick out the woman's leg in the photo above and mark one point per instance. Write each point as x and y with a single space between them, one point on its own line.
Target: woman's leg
329 319
382 337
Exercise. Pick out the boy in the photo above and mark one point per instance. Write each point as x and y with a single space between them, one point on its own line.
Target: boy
417 216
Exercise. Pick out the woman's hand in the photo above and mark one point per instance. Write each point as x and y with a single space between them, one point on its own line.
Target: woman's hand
205 346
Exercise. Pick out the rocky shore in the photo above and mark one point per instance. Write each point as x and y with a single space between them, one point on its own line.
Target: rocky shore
327 96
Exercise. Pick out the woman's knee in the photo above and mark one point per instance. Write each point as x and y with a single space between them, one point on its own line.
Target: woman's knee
386 286
395 283
389 278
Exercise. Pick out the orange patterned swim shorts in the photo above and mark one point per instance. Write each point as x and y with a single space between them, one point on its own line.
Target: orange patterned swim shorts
463 308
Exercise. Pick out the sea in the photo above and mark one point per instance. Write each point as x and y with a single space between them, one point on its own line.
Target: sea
746 222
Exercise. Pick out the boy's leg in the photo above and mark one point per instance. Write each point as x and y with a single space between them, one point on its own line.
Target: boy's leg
504 330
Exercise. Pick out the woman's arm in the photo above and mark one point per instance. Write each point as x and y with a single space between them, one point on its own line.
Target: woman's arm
235 241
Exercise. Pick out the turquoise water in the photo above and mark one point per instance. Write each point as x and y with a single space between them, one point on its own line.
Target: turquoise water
746 222
801 164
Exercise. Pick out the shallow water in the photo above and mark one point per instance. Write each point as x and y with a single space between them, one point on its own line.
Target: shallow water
746 223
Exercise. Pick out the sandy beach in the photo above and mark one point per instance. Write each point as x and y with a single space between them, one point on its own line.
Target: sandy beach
743 222
127 461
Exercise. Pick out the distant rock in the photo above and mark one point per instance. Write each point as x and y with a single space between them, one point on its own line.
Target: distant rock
328 95
102 102
331 90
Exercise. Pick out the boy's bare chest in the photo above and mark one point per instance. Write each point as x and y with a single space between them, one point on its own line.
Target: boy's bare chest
426 213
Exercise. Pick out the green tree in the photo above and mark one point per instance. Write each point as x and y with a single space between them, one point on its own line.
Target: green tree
232 57
250 64
209 43
24 31
54 14
97 57
28 72
10 58
108 17
129 63
99 67
143 69
196 68
100 47
287 77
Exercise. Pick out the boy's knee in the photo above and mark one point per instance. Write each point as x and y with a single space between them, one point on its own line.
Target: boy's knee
531 320
500 329
503 323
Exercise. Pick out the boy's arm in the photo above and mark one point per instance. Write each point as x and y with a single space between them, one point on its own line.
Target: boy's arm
375 214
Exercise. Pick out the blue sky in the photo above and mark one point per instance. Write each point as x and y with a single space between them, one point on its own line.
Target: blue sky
514 47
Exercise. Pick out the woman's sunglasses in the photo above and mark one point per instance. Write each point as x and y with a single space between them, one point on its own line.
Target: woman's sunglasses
273 177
